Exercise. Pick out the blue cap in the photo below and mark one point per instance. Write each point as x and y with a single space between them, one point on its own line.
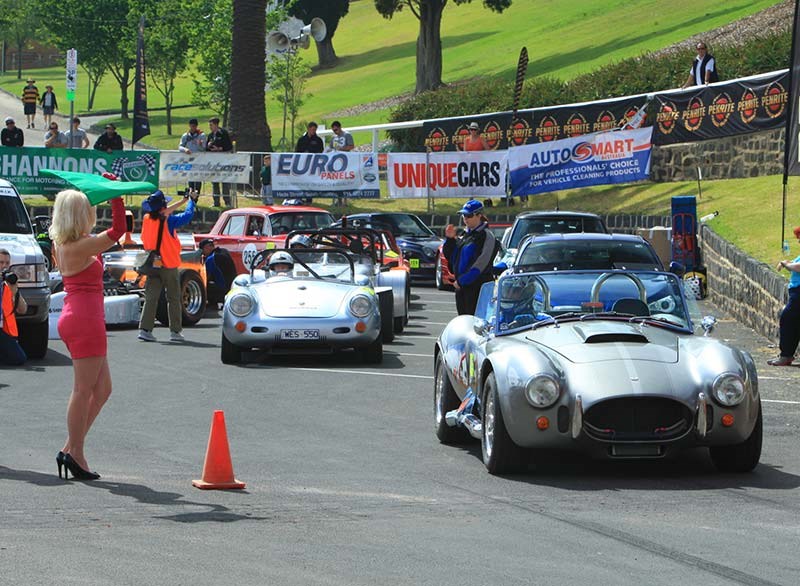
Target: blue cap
155 201
473 206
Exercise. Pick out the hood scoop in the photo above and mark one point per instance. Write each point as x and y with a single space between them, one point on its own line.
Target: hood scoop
610 334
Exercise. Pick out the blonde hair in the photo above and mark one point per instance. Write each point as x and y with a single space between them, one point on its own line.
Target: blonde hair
73 217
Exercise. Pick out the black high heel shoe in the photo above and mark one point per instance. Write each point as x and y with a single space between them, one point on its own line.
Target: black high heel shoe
78 473
60 462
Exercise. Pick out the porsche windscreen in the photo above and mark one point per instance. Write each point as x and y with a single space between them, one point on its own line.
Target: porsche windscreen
524 300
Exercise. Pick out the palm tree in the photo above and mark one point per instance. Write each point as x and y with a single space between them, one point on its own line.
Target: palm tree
248 121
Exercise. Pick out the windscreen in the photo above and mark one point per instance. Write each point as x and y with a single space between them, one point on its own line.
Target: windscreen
13 216
525 226
286 222
587 254
404 225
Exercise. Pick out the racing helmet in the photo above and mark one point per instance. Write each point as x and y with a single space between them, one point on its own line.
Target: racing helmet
300 241
280 258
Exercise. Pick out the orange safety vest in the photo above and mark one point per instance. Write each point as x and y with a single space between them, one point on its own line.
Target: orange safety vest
9 320
170 245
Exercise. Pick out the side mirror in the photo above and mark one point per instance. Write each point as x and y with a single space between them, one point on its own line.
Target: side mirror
677 268
707 323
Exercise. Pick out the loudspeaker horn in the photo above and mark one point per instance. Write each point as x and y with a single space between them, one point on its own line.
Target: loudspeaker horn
304 41
316 29
277 42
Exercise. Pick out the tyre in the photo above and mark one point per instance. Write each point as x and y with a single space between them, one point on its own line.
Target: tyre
386 305
444 400
230 353
193 300
33 337
373 354
500 454
438 278
741 457
399 324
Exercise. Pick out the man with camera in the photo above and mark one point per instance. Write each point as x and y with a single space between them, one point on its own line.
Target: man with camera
11 302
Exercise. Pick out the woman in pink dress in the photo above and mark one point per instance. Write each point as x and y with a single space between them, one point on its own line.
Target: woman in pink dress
82 324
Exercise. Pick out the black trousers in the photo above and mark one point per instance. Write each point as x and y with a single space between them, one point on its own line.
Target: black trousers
790 324
226 193
467 298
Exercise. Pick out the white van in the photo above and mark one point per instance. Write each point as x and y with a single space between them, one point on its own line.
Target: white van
28 263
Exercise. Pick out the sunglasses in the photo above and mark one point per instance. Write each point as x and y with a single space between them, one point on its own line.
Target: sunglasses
54 128
468 216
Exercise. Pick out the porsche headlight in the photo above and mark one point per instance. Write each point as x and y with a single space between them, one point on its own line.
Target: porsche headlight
542 391
360 306
241 304
728 389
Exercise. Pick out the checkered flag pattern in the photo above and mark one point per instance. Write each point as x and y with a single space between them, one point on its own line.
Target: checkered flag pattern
118 165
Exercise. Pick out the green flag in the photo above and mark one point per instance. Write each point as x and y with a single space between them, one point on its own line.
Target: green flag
99 189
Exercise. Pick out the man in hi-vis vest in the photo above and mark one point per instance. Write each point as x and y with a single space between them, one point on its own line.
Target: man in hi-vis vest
159 219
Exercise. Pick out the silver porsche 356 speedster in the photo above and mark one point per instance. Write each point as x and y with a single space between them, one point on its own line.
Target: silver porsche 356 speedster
601 361
302 302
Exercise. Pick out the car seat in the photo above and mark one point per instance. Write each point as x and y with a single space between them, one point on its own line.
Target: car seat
631 305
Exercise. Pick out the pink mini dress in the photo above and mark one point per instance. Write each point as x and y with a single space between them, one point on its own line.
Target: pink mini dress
82 325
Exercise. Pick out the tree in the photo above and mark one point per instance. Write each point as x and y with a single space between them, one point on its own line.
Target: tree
429 41
287 75
248 76
331 12
19 23
213 48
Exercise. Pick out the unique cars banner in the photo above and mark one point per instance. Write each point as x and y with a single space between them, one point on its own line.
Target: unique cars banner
334 174
723 109
533 126
21 166
596 159
464 175
180 168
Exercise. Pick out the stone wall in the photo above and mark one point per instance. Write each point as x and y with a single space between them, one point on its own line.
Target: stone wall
747 155
741 286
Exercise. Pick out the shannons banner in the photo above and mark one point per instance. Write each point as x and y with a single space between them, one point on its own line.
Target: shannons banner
180 168
533 126
723 109
595 159
464 175
21 166
333 174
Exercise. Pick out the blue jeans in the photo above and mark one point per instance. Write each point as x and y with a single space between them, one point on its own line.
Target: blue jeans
11 353
790 324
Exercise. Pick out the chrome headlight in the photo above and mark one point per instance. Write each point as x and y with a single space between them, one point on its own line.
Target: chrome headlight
542 391
30 275
728 389
429 252
360 306
241 304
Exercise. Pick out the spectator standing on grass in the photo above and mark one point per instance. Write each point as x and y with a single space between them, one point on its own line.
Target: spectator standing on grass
11 136
109 141
470 256
76 136
310 142
789 333
704 68
49 104
341 140
219 141
54 138
266 181
193 141
30 97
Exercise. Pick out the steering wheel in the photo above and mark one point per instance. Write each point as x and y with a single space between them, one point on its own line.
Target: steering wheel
595 295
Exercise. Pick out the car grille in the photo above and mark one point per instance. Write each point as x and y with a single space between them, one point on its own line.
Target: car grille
638 419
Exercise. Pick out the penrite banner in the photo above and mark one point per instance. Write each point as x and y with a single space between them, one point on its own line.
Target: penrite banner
21 166
219 167
533 126
721 110
334 174
597 159
464 175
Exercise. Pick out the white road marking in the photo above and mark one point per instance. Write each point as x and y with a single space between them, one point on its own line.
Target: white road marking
406 335
372 372
775 378
351 493
777 401
439 311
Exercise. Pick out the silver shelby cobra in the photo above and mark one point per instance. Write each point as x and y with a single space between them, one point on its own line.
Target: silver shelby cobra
601 361
306 301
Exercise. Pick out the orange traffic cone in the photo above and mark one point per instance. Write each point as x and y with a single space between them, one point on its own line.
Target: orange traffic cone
218 469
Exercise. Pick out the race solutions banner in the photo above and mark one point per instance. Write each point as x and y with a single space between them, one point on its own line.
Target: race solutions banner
463 174
595 159
720 110
179 168
21 166
533 126
334 174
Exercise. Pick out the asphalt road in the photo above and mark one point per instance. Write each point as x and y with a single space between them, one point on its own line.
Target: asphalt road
347 484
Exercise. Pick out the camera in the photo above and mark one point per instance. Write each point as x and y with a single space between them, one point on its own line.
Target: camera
9 277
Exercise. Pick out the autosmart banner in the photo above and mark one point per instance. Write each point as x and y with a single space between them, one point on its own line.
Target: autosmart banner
706 112
596 159
216 167
533 126
21 166
464 175
334 174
